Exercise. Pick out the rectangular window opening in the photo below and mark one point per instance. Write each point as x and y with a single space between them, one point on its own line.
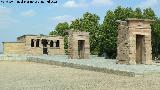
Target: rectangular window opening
32 42
37 43
57 43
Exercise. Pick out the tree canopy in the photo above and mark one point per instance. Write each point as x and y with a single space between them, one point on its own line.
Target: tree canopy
103 36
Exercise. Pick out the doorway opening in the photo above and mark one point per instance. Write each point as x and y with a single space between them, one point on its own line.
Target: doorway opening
51 44
57 43
44 42
81 49
32 42
139 48
45 49
37 42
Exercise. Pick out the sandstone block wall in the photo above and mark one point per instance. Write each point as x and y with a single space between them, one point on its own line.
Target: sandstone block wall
39 50
13 48
131 49
23 45
73 39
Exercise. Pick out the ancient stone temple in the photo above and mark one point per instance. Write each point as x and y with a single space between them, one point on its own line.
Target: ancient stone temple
35 45
134 42
79 47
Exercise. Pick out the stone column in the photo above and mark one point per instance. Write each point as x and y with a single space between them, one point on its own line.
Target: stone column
54 43
132 50
87 48
148 49
34 42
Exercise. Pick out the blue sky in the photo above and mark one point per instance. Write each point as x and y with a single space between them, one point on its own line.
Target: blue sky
20 19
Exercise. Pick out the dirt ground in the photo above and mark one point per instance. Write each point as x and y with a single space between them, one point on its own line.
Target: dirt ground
36 76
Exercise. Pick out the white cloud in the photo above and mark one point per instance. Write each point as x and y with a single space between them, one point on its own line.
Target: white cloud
5 19
84 3
6 22
4 11
74 4
64 18
2 6
101 2
29 13
149 3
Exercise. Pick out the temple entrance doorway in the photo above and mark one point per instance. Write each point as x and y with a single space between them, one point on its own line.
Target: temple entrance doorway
81 49
139 48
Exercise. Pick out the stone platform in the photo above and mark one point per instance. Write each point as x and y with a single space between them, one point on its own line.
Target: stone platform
98 64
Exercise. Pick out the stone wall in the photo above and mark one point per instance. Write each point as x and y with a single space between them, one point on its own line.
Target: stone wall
73 39
39 50
13 48
23 45
123 43
127 51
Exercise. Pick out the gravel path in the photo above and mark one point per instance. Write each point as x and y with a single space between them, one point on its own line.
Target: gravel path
35 76
94 61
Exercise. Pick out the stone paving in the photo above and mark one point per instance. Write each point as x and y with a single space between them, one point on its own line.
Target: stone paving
94 62
36 76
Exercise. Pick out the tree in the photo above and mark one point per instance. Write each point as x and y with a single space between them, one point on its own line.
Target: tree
76 24
108 34
138 13
60 30
155 38
109 30
103 37
89 23
123 13
148 13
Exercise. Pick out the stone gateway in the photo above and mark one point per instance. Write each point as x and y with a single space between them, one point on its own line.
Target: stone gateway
134 42
78 45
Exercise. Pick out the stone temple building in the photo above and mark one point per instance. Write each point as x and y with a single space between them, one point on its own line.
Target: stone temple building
134 42
35 45
78 45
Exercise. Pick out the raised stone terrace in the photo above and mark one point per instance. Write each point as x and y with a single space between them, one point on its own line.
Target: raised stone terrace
94 63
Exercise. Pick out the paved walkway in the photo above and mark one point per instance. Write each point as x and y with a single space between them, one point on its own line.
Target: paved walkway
96 63
35 76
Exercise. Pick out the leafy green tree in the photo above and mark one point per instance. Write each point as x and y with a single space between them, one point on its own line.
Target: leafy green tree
138 13
123 13
76 24
53 33
109 34
89 23
103 37
110 27
148 13
155 38
60 29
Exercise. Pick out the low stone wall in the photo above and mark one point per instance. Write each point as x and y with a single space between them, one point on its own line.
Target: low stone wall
14 48
64 64
83 67
98 65
13 57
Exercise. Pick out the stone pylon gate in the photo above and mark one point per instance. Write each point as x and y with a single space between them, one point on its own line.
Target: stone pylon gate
78 45
134 42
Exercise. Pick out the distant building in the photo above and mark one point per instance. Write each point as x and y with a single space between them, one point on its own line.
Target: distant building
35 45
